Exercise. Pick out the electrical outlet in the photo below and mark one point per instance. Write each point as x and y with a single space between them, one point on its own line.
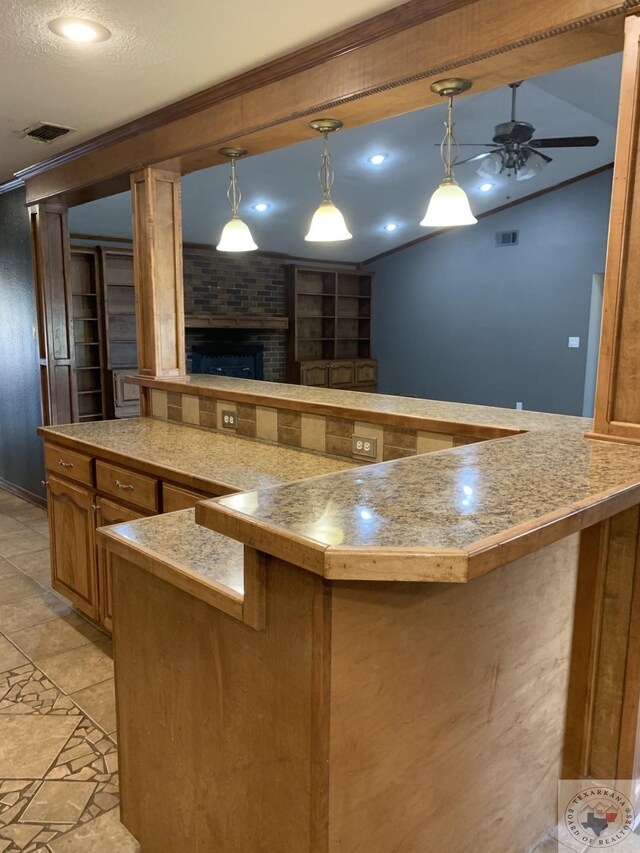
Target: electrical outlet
229 420
574 343
519 406
363 446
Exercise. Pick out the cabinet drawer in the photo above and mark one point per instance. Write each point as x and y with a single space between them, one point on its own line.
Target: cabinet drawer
128 486
175 498
69 463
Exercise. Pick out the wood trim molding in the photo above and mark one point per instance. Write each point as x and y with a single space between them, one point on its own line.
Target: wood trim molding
401 17
373 78
430 235
25 494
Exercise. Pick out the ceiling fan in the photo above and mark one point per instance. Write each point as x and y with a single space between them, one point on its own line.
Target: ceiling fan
516 152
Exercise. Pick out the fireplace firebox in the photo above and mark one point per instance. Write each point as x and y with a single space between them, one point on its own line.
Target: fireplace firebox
245 361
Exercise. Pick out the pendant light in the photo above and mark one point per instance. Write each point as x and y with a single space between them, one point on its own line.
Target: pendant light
236 236
327 224
449 204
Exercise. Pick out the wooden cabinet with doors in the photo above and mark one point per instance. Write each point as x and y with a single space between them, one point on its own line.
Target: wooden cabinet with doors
329 337
72 543
84 493
108 512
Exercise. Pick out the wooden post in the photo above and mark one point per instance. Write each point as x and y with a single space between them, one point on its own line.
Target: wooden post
603 707
157 255
617 407
52 272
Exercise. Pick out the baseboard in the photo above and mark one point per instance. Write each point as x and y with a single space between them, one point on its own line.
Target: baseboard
23 493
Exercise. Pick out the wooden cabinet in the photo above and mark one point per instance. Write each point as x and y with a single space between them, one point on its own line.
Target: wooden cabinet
108 512
72 543
329 312
86 493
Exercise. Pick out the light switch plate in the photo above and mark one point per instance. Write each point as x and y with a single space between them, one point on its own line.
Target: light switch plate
574 343
229 420
363 446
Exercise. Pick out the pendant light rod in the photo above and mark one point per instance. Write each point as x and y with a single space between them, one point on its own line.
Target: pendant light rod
450 88
233 193
325 126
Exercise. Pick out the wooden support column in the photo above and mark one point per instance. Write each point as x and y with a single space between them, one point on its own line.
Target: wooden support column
617 408
603 709
157 254
52 271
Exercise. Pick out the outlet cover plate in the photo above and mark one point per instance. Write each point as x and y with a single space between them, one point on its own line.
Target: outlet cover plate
362 445
229 419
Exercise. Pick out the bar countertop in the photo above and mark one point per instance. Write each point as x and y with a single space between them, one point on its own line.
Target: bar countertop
202 457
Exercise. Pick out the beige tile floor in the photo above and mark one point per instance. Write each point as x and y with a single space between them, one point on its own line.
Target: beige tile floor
58 759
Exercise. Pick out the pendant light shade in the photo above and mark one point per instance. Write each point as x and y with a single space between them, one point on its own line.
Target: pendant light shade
327 224
236 236
449 205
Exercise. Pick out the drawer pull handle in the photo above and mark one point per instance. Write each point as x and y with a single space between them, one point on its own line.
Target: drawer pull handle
64 464
126 487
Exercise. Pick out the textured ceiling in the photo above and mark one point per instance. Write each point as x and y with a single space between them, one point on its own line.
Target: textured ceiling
581 100
160 51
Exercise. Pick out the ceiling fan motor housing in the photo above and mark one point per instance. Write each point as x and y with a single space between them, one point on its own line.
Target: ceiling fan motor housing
513 131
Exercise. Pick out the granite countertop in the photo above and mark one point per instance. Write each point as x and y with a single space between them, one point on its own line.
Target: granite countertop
175 548
228 461
445 516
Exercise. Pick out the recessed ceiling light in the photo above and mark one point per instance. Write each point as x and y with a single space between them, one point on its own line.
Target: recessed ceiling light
261 206
486 187
79 29
391 226
377 159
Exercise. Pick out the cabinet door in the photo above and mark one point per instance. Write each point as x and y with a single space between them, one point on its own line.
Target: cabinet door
313 373
72 532
109 513
341 374
366 372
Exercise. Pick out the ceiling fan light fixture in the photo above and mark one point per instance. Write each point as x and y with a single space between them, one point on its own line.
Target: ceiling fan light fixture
491 166
532 167
449 205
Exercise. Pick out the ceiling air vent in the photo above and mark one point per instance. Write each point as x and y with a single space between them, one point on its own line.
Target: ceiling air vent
507 238
44 131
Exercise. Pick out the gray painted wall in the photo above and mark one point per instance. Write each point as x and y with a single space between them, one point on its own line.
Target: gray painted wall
21 456
456 318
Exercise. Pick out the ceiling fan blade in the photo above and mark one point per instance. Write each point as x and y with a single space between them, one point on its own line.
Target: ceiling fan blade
545 157
473 144
476 157
565 142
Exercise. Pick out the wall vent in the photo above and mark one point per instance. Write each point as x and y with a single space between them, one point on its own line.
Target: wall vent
44 131
507 238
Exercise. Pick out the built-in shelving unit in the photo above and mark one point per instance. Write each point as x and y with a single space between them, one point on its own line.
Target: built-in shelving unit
104 332
329 322
86 301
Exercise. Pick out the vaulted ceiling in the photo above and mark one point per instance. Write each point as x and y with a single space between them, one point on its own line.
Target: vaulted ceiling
160 51
581 100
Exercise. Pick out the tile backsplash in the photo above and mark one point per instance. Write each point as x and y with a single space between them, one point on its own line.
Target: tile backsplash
331 435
